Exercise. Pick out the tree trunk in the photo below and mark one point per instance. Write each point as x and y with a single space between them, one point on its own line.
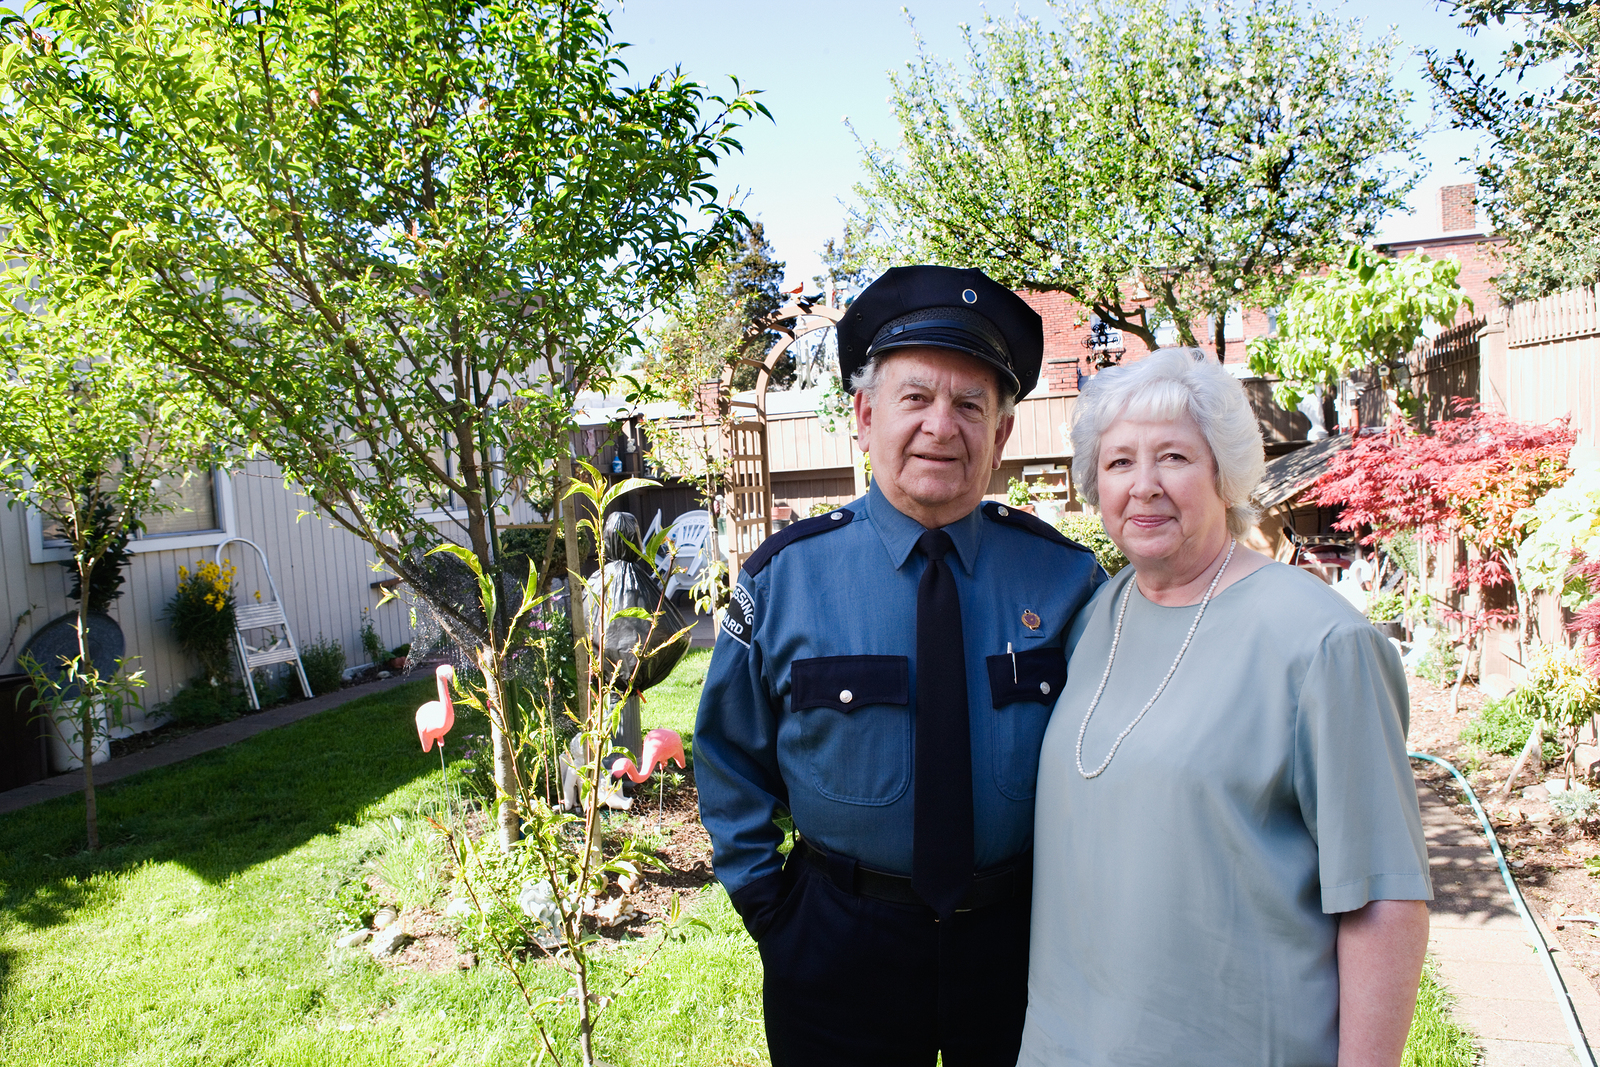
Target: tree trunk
508 823
580 620
86 698
1220 335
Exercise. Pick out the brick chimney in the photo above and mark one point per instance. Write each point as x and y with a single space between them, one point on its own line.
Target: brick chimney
1458 207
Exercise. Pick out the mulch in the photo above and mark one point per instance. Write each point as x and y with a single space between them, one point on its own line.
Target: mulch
1545 851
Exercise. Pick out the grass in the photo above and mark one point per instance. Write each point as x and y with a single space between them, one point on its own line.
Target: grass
1435 1040
202 933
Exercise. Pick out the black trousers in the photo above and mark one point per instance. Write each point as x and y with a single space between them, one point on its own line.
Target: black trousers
854 980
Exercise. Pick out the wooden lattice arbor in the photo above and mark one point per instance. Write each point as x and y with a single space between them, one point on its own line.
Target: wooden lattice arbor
744 435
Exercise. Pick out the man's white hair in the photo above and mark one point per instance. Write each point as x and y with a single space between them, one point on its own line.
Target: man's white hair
1169 384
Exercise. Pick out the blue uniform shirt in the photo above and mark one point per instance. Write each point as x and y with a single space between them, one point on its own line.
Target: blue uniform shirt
809 705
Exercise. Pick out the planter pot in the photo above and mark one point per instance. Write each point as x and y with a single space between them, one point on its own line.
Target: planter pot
1393 628
66 750
398 663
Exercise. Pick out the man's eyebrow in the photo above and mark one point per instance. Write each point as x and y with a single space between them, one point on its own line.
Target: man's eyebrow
927 385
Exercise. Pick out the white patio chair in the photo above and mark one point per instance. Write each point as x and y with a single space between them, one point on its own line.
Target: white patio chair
686 540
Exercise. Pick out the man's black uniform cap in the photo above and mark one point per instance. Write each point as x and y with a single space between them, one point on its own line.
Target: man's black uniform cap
944 307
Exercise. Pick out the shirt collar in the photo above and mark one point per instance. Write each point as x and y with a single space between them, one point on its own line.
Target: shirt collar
900 532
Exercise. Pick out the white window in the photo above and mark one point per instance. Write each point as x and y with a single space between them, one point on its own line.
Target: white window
204 516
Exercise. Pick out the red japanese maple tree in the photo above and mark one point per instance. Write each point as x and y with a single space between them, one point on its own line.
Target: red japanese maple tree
1468 477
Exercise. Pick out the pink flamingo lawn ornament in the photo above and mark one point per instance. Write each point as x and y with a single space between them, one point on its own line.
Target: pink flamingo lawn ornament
661 746
436 717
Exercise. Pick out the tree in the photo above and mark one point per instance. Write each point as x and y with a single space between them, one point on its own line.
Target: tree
752 282
1368 313
1157 161
93 430
1472 477
1541 182
395 239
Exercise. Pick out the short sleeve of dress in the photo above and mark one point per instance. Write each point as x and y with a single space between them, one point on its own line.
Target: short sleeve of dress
1352 777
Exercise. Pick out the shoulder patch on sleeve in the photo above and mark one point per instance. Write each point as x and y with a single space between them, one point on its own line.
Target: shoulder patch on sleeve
740 618
998 512
837 519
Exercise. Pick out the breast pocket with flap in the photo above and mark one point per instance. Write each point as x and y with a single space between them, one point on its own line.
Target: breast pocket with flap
855 725
1023 688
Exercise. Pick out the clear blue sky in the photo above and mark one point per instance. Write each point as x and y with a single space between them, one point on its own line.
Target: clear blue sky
820 61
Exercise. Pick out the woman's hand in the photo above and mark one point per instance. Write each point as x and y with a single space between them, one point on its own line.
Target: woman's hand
1380 948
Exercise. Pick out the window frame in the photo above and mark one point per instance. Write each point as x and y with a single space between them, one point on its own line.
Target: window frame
41 551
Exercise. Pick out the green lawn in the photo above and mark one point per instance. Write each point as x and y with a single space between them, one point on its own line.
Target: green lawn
202 933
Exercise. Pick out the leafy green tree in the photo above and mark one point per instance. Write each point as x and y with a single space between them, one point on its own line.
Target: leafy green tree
752 278
395 238
1188 155
93 431
1367 314
1541 183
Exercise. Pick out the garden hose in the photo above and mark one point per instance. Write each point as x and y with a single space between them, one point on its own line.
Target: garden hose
1580 1043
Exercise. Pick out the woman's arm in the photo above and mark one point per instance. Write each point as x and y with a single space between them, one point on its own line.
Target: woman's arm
1380 963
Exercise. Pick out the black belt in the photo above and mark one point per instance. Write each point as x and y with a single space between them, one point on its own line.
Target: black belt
993 886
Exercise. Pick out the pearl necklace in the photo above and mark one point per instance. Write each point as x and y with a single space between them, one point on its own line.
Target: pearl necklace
1116 638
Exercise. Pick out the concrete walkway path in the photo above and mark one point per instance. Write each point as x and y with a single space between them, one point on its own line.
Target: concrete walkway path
1486 956
192 745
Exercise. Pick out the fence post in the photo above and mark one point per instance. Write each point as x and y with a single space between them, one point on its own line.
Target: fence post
1493 363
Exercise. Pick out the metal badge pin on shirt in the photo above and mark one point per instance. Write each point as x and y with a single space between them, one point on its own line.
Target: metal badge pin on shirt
1030 620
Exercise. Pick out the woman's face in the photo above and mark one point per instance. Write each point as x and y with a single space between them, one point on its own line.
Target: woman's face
1158 496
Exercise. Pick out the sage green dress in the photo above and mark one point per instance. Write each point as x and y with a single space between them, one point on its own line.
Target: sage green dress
1186 901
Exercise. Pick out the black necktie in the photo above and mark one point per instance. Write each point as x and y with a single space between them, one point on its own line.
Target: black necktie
941 857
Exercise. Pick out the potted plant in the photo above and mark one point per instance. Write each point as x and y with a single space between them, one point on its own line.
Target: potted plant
1017 495
400 657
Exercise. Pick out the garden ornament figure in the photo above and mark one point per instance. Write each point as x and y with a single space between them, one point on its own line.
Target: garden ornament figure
436 717
661 746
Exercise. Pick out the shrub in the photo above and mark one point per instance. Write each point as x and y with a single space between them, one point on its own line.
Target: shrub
323 660
1386 608
1440 663
1090 532
1575 803
201 614
377 652
203 702
1503 726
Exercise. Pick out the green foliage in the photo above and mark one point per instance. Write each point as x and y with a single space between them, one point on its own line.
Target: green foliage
409 862
1502 727
205 702
354 903
364 227
1564 520
324 663
1440 663
109 532
1017 493
201 614
1090 532
377 652
1368 313
1386 607
1202 154
1576 803
1541 180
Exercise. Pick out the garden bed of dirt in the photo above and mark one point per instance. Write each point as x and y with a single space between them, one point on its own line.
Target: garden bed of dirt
671 833
1545 851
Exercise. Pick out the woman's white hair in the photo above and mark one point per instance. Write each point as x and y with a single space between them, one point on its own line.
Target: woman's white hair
867 379
1168 384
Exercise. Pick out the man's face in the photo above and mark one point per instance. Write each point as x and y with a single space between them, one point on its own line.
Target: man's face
935 432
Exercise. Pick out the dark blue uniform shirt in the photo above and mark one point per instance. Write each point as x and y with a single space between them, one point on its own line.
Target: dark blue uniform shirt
809 705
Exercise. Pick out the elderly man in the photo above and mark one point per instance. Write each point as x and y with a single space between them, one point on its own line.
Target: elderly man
884 676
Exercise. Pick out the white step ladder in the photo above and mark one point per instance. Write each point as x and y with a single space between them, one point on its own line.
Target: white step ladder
277 644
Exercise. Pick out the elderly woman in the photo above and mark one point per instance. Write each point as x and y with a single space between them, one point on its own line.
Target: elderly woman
1229 862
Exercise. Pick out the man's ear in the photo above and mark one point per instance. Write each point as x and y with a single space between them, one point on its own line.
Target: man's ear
1002 434
863 406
